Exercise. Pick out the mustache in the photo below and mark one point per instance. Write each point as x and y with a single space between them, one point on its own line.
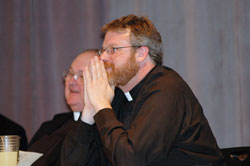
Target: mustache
109 65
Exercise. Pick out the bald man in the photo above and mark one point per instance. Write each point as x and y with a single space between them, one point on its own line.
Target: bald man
50 136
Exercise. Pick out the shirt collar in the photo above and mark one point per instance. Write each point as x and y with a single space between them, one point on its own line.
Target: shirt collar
128 96
133 93
76 115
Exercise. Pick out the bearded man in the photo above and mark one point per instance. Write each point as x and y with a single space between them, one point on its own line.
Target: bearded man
152 117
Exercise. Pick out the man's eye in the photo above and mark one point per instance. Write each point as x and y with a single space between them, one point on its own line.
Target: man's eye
80 73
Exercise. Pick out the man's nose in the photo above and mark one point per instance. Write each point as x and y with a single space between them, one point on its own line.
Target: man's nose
104 56
73 79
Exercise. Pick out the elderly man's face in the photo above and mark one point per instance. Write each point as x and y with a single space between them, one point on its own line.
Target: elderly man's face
74 84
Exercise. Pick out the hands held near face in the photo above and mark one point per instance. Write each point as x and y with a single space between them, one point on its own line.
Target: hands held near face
98 93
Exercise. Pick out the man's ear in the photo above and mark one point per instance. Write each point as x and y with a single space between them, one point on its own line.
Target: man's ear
142 53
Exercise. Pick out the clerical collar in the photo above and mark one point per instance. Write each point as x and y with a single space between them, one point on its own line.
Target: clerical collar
133 93
76 115
128 96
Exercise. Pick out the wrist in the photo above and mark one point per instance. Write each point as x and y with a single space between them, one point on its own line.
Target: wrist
102 106
88 116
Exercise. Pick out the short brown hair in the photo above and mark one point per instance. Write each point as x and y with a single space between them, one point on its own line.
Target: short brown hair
142 33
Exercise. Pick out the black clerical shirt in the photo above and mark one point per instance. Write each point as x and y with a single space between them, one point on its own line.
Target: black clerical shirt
163 125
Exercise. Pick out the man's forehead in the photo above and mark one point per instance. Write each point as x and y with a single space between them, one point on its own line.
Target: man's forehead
82 60
122 33
113 38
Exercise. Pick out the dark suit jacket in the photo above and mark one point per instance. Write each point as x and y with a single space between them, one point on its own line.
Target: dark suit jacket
49 139
8 127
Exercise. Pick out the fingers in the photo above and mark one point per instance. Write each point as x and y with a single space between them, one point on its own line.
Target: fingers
98 70
95 68
85 84
87 77
103 70
98 67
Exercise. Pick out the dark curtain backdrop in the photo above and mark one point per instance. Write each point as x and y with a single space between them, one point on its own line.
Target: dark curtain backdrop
207 42
39 39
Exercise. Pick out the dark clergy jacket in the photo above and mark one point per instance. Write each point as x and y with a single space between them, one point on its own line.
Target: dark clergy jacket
49 139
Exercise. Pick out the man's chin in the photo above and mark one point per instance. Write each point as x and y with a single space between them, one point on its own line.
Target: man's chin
76 108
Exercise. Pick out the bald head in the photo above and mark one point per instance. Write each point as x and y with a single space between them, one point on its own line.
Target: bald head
83 59
74 85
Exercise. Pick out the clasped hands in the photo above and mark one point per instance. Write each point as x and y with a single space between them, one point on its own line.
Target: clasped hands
98 93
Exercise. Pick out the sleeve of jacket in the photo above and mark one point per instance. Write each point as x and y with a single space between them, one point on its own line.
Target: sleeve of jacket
50 126
82 147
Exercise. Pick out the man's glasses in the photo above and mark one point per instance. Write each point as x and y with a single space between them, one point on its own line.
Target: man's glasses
67 74
111 50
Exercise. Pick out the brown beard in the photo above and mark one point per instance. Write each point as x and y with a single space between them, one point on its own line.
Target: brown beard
122 75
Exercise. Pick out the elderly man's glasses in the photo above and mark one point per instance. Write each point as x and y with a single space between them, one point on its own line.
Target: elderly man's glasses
111 50
67 74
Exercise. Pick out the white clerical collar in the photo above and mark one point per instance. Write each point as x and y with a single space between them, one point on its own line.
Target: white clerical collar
76 115
128 96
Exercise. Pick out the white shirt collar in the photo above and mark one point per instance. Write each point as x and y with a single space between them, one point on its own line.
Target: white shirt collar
76 115
128 96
